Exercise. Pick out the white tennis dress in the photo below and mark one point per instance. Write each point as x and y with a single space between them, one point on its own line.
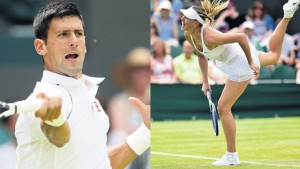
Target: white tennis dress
231 59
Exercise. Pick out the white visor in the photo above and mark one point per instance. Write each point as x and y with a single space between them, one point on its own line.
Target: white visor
190 13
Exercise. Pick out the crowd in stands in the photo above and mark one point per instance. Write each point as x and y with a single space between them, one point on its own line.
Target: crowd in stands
174 61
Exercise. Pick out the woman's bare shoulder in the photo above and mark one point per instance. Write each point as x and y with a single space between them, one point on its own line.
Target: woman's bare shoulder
211 37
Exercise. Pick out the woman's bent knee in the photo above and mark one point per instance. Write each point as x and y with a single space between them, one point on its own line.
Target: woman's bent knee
223 109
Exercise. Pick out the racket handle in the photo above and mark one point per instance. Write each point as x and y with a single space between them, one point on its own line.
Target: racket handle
208 95
26 106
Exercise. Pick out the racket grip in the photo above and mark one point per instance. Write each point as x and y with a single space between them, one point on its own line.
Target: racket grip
208 95
26 106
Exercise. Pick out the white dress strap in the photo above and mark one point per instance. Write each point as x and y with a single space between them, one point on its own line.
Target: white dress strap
202 39
203 44
195 44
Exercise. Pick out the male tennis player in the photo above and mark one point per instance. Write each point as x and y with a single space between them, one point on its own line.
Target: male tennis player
69 131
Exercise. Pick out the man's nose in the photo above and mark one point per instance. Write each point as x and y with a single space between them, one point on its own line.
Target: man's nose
73 41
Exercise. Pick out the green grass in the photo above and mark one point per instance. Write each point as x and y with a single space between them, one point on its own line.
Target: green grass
271 143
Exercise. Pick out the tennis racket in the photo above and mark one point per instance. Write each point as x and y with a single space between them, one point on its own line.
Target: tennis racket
24 106
213 113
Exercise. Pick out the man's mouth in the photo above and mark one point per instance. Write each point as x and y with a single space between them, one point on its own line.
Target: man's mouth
71 56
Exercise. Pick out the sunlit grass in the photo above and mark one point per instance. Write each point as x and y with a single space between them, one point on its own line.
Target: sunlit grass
272 141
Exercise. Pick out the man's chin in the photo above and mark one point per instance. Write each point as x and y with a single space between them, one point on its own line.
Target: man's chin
76 74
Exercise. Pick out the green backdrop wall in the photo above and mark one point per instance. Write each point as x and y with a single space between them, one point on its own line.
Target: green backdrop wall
184 101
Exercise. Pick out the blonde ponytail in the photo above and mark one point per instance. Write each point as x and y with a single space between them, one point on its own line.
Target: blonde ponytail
210 8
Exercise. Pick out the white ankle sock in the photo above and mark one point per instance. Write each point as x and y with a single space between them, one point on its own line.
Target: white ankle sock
231 153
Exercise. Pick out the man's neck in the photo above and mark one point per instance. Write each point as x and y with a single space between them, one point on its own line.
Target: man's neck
77 76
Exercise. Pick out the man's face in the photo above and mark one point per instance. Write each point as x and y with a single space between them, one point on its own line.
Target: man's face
165 13
65 47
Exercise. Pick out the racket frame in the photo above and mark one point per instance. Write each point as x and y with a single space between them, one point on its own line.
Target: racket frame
213 113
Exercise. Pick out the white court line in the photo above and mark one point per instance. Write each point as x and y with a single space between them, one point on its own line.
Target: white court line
211 158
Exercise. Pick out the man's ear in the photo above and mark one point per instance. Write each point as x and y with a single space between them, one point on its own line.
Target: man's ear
40 47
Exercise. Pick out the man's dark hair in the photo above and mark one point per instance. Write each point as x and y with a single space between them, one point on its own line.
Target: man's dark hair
50 11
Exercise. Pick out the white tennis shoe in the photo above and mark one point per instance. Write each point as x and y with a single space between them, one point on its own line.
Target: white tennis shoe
290 8
228 159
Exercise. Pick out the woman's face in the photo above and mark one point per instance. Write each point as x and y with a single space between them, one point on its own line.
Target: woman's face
187 24
159 47
258 11
153 30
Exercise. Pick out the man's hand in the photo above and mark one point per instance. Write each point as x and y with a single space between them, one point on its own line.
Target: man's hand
51 109
144 109
57 134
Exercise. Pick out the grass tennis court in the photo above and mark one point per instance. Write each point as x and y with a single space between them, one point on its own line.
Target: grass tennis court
267 143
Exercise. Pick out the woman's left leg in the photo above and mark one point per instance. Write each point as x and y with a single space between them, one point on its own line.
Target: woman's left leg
231 92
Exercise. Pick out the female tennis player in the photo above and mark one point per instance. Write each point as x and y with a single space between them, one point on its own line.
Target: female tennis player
234 55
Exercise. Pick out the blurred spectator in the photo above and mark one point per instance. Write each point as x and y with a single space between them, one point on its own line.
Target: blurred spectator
298 71
297 62
248 29
166 22
134 76
8 155
154 5
296 38
153 32
287 53
230 19
186 65
176 5
155 36
161 66
264 23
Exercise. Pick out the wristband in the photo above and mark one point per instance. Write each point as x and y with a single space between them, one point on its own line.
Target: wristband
57 122
139 140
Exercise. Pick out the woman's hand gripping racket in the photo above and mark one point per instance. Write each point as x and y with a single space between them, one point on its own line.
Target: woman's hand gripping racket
24 106
213 112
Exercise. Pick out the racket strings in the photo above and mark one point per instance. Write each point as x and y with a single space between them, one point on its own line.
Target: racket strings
4 105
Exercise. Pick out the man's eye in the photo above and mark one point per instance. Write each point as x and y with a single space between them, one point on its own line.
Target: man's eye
63 34
79 33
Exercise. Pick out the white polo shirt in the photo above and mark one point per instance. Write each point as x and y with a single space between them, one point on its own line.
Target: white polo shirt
88 122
